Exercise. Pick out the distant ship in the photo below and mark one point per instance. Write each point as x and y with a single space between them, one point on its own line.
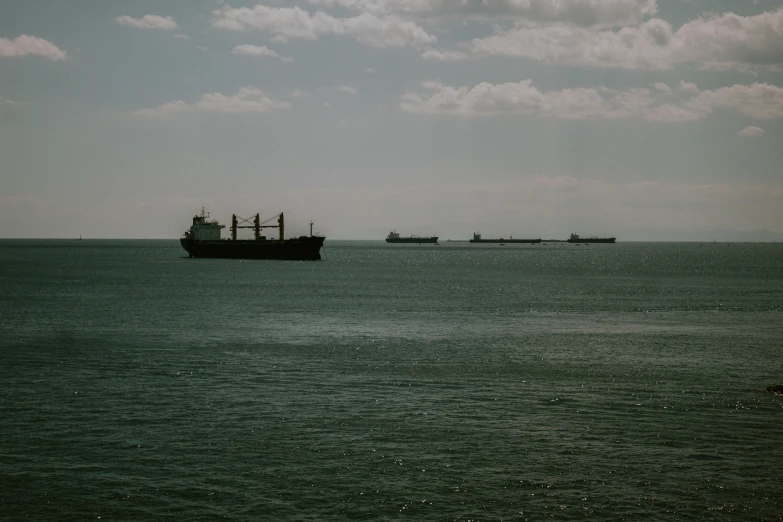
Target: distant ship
478 239
394 237
203 239
576 239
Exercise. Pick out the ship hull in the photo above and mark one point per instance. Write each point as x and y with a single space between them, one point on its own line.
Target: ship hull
413 240
527 241
297 249
593 240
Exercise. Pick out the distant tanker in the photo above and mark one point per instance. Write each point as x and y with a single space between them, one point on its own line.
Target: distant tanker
576 239
394 237
478 239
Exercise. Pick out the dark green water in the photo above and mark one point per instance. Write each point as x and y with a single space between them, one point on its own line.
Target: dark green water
459 382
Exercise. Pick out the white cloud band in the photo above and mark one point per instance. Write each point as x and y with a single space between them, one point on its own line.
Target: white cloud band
293 22
148 22
247 99
759 100
24 45
714 42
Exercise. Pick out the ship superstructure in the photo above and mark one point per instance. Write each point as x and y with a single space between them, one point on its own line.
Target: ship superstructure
204 229
203 239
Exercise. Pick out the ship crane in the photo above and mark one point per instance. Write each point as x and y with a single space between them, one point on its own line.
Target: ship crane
257 225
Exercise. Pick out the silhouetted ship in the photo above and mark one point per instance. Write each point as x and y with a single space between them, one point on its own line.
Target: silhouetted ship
394 237
478 239
203 240
576 239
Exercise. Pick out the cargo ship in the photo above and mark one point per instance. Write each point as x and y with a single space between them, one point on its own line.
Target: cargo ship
394 237
576 239
478 239
203 239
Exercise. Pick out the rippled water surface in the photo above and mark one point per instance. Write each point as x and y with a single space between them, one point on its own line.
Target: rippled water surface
452 382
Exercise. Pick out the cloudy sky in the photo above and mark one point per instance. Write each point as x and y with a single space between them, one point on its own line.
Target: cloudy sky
648 119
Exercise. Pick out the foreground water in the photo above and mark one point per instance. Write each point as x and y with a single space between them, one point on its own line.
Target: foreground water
453 382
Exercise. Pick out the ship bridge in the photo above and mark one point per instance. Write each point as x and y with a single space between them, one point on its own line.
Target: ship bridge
204 229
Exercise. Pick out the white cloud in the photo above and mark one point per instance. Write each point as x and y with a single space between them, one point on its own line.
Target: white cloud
347 89
759 100
751 131
446 56
387 31
762 101
370 70
298 93
586 13
247 99
523 98
293 22
672 113
24 45
254 50
662 87
714 42
148 22
600 33
643 47
730 40
166 109
183 36
688 87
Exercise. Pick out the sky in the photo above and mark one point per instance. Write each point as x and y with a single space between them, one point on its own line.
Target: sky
650 120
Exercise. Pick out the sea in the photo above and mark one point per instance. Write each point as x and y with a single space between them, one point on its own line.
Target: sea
391 382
